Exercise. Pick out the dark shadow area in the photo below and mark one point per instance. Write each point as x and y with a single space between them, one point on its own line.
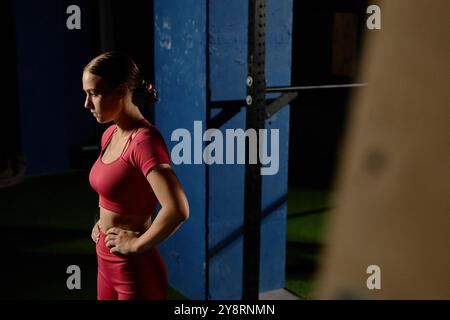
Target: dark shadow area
302 264
303 258
326 43
132 32
43 276
20 238
46 226
12 162
62 202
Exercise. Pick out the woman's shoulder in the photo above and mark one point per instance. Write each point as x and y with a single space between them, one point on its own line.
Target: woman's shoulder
149 131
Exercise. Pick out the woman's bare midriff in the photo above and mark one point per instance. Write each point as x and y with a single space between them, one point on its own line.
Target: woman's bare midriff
110 219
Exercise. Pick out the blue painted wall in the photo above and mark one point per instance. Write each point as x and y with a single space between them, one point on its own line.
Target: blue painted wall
180 72
180 76
228 73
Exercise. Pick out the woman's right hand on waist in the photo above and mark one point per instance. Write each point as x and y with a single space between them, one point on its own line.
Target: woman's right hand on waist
96 232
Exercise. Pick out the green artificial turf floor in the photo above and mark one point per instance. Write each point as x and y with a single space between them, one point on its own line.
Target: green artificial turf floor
307 214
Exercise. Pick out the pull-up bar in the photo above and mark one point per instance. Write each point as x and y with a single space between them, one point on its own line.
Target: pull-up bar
328 86
231 107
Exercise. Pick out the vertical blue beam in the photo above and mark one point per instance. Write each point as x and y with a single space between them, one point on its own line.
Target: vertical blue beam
228 66
228 73
180 76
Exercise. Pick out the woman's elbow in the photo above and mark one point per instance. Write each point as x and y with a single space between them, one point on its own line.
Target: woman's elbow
184 212
181 210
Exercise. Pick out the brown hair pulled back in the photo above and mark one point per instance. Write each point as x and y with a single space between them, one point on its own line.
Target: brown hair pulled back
116 68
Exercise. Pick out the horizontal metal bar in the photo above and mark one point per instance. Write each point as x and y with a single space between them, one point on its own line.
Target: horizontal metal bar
279 103
329 86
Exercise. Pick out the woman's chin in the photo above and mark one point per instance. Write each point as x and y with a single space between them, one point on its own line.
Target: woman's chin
97 117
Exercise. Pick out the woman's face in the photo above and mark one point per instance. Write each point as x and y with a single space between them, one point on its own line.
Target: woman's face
102 101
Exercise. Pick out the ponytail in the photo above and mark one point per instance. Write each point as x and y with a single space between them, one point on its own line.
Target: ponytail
151 91
145 94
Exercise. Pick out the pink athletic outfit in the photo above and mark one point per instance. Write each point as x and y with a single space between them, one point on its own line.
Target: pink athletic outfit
123 188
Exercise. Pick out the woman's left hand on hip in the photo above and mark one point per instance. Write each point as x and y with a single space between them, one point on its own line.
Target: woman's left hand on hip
121 241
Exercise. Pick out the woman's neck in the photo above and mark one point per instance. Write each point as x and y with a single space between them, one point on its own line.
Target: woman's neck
128 121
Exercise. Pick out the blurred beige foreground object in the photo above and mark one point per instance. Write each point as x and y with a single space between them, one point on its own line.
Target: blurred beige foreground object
393 191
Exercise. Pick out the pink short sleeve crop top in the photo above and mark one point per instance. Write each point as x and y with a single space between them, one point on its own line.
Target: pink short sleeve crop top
122 184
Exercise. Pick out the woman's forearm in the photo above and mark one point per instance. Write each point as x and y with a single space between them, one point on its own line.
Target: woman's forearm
165 224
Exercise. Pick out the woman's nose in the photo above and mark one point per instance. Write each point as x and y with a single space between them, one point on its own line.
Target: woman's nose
87 103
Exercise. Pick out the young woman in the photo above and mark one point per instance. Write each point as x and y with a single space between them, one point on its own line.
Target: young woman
131 174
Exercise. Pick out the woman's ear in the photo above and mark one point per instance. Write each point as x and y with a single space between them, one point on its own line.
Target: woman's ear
122 90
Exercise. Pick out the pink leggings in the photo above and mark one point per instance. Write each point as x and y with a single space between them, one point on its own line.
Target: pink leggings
119 277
